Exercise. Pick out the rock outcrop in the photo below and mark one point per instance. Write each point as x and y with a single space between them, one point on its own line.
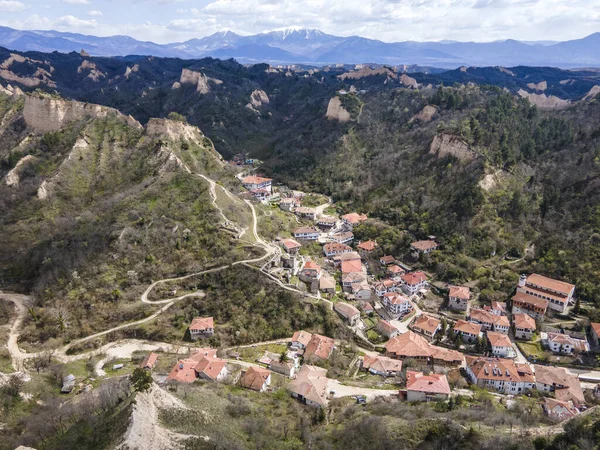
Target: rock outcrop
173 130
506 71
592 94
41 75
201 81
44 114
426 114
131 70
445 144
367 72
259 98
335 111
14 176
541 86
94 74
543 101
409 81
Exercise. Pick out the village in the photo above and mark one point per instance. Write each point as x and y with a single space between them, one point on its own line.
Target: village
404 345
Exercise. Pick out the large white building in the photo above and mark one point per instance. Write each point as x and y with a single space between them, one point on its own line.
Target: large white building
558 293
500 375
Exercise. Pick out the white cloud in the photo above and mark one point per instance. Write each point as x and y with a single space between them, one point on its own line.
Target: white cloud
12 6
70 23
95 13
76 2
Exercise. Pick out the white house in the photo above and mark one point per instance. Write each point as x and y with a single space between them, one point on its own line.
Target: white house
524 326
500 375
413 282
252 183
256 378
500 345
202 327
426 388
397 304
307 233
458 298
469 331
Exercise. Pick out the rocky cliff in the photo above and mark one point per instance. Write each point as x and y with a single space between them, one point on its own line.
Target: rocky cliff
335 110
201 81
45 114
543 101
445 144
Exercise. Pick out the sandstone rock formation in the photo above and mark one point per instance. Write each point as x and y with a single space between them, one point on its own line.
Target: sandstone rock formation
541 86
592 94
131 70
172 129
445 144
506 71
335 111
426 114
13 177
199 79
41 75
367 72
94 74
45 114
543 101
258 98
409 81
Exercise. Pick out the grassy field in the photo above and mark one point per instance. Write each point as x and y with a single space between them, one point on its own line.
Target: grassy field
532 350
252 354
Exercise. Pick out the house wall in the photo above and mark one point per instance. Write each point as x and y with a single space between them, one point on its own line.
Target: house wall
415 396
521 333
458 304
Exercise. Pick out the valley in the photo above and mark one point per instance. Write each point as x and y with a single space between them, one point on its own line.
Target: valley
353 271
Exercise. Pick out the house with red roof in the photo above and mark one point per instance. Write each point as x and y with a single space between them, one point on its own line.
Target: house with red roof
413 282
565 386
469 331
558 410
307 233
387 329
397 304
528 304
595 332
366 248
501 375
202 327
326 221
319 348
353 219
557 293
382 365
256 379
426 388
387 260
310 386
290 246
395 272
300 339
310 272
348 312
202 364
500 345
333 248
149 361
343 237
352 266
427 325
489 321
424 247
524 326
411 346
253 183
458 298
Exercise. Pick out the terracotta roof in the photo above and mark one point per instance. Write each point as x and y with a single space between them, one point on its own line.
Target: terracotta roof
499 369
149 361
430 384
467 327
319 346
210 367
255 180
530 300
336 247
354 277
354 218
304 230
311 265
426 323
412 345
387 259
311 383
202 361
393 268
550 283
499 306
290 244
558 297
498 339
567 386
552 407
579 345
462 292
202 323
367 246
255 378
524 321
395 298
367 307
424 245
413 278
351 266
327 219
305 210
350 256
596 328
327 282
346 310
381 364
183 371
361 286
483 316
302 336
387 328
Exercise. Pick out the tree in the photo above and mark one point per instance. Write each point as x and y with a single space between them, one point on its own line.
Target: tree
283 357
141 380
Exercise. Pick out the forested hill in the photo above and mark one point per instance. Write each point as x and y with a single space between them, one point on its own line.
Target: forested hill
461 154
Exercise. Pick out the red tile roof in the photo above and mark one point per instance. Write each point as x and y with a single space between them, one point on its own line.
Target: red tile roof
394 269
395 298
596 328
387 259
290 244
567 386
319 346
255 180
202 323
413 278
462 292
254 378
499 369
367 246
498 339
302 336
311 265
386 328
346 310
149 361
550 283
529 301
411 345
336 247
463 326
381 364
311 383
430 384
351 266
524 321
426 323
354 218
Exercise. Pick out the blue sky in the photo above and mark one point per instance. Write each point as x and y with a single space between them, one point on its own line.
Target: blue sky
389 20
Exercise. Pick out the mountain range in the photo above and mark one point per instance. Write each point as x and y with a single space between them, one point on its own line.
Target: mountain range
313 47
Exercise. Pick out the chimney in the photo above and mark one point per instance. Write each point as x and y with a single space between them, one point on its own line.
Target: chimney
522 280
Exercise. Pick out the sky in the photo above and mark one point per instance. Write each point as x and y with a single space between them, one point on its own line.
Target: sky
165 21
